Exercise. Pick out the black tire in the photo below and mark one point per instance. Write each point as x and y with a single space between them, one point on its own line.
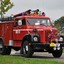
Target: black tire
27 50
21 50
57 53
3 49
8 50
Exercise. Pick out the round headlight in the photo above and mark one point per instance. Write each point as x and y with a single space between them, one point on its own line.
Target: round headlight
60 39
35 38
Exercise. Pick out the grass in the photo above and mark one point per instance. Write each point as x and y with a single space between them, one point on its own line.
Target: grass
22 60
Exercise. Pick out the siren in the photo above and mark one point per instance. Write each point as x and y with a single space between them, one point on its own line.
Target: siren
30 12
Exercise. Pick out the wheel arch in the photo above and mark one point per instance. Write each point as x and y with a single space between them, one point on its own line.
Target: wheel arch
1 39
26 37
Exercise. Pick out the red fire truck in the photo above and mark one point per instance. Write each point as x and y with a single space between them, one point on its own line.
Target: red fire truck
29 32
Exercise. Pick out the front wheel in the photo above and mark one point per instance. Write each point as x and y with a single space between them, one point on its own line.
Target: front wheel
57 53
27 49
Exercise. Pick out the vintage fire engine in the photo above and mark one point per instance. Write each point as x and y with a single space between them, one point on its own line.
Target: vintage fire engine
29 32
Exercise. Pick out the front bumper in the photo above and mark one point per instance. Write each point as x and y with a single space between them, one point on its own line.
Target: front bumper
61 44
47 46
40 45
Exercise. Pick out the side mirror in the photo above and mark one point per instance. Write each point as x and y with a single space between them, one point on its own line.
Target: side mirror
19 22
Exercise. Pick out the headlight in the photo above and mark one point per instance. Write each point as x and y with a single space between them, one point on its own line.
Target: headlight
60 39
35 39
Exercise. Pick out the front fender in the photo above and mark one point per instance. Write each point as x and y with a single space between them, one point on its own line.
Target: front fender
29 37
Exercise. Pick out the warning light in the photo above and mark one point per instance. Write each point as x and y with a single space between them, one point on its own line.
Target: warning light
31 12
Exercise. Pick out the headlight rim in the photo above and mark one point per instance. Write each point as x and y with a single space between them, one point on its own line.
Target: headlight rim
36 39
61 39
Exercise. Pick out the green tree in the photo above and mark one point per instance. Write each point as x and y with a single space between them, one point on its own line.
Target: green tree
5 5
59 23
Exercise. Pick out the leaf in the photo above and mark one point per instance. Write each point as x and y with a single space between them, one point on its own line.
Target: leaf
6 5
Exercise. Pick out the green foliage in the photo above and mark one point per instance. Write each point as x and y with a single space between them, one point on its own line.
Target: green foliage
59 23
5 6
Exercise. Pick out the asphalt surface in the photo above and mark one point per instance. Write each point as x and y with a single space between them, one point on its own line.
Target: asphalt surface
40 55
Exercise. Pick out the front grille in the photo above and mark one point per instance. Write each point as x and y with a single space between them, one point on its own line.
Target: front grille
53 35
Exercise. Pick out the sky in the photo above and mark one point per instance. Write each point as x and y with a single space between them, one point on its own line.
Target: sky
53 8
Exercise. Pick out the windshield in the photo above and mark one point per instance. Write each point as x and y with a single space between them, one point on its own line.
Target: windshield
39 21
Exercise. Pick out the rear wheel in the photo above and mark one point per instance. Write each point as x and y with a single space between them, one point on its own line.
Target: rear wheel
57 53
3 49
27 49
8 50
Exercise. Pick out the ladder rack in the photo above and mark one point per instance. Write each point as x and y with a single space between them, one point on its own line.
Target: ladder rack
6 19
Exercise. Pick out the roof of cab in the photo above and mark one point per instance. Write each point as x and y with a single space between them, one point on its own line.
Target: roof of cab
36 16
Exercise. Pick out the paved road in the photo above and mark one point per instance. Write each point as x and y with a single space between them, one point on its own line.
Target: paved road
40 55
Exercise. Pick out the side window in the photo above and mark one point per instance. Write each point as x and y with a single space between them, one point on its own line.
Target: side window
20 22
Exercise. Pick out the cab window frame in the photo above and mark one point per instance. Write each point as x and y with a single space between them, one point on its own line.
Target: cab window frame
23 22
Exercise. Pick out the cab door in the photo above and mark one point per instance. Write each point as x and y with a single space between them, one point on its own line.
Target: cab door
19 30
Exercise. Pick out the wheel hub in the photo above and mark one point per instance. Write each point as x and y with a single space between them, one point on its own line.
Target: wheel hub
26 47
